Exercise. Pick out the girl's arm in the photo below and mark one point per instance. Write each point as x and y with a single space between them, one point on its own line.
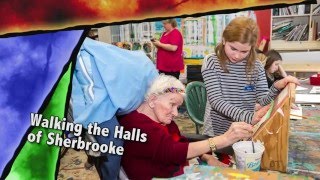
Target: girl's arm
282 71
265 98
264 95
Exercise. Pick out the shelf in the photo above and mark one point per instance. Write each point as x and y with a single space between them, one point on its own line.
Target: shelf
194 58
295 19
282 45
301 67
289 16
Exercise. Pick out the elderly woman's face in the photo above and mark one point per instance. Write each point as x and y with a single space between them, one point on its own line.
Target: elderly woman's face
166 107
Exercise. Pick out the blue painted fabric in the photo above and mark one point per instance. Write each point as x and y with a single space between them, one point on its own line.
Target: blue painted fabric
29 68
108 80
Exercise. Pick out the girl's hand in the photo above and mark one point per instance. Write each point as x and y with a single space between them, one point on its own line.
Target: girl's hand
259 114
257 107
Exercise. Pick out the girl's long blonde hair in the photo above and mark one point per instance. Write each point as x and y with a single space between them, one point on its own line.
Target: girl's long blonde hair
243 30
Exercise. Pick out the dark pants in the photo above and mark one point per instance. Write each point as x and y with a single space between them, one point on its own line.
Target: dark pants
109 165
174 74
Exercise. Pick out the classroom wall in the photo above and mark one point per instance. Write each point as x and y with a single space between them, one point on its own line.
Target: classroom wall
104 34
264 23
312 57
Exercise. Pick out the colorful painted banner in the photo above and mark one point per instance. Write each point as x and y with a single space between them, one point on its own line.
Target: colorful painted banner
51 15
35 68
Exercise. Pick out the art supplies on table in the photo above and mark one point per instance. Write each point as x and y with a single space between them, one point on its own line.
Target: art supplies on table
307 98
301 88
213 172
296 113
315 90
315 79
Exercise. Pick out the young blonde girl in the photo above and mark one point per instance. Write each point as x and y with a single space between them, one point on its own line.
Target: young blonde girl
235 80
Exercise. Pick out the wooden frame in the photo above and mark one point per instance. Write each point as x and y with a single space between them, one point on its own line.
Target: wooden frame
273 132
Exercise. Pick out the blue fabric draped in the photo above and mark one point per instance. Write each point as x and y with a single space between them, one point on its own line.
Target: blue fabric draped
108 80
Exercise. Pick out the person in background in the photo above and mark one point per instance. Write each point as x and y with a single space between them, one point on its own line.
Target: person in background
261 56
169 54
273 68
235 81
164 152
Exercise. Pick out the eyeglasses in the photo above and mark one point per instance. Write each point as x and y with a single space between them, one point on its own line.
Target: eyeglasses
173 90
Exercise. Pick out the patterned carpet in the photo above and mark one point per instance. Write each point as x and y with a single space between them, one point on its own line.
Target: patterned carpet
72 164
72 167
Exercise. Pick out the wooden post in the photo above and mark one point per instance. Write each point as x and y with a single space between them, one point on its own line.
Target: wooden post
273 133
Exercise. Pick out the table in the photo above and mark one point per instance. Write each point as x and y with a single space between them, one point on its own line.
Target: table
304 141
210 172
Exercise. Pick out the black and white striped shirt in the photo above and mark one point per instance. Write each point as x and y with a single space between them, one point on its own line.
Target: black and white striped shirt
230 95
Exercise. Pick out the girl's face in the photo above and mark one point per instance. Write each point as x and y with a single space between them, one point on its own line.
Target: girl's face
236 51
274 67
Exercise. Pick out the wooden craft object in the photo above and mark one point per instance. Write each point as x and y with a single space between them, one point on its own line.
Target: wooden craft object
273 133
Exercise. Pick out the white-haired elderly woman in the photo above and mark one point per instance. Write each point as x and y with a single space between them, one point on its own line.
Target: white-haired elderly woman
165 151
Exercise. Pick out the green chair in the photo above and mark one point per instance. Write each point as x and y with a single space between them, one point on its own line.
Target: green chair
196 99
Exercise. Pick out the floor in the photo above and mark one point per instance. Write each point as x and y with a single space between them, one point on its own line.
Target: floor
72 165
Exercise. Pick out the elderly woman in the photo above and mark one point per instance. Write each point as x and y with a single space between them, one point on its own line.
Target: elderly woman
166 152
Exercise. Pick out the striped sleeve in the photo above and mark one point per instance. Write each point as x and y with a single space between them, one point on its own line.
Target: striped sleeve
264 94
215 98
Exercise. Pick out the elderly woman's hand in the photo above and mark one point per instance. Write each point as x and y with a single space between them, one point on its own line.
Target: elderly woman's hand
283 82
237 131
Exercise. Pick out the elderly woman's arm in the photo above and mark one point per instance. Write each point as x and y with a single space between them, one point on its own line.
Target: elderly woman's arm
237 131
